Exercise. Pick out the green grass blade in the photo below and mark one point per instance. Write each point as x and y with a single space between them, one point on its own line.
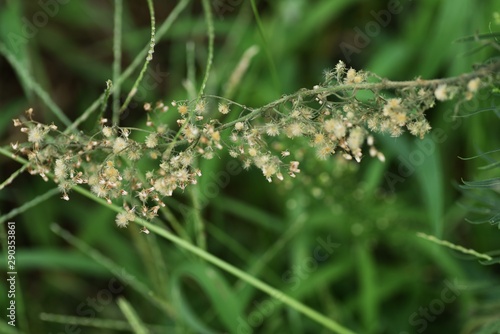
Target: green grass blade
368 288
132 317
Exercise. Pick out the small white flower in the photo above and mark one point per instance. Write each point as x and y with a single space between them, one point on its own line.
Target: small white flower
122 219
119 145
294 130
107 131
473 85
152 140
336 127
239 126
441 92
223 108
340 67
60 169
356 138
272 130
36 134
252 152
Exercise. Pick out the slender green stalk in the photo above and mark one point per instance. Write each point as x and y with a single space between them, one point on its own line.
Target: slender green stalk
210 33
454 246
117 59
148 58
376 86
28 205
270 59
12 177
164 28
132 317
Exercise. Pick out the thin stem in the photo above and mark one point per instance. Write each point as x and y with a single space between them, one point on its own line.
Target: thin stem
210 33
132 316
13 176
28 205
450 245
117 55
148 58
164 28
270 59
382 85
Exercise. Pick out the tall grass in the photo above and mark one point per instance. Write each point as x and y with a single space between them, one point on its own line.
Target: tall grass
342 247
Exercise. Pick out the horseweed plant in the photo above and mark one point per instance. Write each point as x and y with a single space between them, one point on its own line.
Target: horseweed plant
337 116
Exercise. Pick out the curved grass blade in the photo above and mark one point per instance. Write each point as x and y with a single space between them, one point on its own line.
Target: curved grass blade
479 111
489 183
492 220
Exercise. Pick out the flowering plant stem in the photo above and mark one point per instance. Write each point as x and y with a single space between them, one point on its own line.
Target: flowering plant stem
384 84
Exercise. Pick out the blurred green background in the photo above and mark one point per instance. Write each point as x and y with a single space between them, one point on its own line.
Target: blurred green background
373 276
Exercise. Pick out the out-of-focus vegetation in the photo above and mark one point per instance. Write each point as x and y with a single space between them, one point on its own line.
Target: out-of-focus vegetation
340 238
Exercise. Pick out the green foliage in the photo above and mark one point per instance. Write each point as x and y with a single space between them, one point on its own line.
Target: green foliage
163 117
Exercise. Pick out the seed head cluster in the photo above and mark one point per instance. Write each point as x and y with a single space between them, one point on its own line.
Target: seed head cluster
337 117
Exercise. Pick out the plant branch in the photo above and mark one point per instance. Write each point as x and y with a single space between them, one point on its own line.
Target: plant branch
376 86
